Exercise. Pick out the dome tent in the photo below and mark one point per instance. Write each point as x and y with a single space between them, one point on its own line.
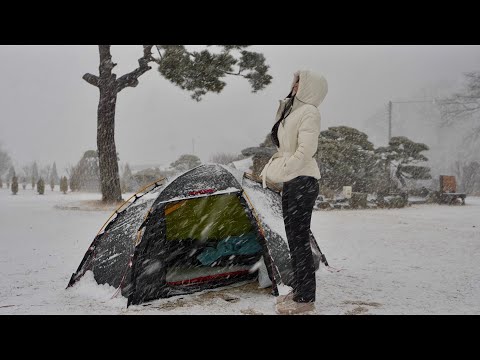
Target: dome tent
208 227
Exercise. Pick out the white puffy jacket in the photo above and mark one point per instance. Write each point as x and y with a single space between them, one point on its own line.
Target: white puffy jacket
298 133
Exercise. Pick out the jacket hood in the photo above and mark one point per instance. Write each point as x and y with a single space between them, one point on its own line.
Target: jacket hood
312 88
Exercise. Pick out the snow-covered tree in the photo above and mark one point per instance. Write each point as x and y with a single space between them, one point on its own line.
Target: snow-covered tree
198 72
468 176
11 174
347 158
404 155
225 158
186 162
45 172
260 154
127 181
1 182
5 161
27 172
64 185
85 176
41 186
148 176
54 175
24 183
14 185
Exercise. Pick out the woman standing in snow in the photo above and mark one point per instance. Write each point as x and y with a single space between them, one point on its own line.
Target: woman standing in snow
295 134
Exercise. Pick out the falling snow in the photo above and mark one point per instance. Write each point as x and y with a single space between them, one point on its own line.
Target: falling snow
417 260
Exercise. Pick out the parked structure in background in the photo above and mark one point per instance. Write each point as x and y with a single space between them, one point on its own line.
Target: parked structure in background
448 191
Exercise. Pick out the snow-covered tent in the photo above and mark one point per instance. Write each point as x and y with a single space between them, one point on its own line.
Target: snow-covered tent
206 228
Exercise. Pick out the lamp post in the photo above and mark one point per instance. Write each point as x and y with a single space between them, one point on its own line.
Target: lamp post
390 107
389 121
195 144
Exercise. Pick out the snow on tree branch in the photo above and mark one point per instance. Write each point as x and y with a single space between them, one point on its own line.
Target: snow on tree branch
202 71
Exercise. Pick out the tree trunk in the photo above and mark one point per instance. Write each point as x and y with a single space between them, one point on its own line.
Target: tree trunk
107 151
109 88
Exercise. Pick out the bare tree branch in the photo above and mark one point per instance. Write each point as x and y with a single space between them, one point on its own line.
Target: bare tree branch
464 104
131 79
473 135
91 79
459 106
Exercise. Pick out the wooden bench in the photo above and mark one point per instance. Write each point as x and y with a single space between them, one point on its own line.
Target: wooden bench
451 198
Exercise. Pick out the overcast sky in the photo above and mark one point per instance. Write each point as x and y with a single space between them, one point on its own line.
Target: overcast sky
48 113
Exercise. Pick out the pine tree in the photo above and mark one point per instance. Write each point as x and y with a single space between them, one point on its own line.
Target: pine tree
404 155
145 177
41 186
1 183
186 162
11 174
347 158
64 185
198 72
5 161
127 179
14 185
45 173
54 179
85 176
73 184
27 174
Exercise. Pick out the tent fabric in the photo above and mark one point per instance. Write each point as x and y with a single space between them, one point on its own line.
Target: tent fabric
109 255
162 233
209 217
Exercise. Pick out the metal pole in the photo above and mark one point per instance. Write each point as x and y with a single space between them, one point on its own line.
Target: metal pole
389 121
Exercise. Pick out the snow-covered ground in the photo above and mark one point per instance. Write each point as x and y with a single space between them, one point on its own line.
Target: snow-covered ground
424 259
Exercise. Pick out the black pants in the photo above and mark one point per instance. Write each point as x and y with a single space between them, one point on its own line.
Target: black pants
298 199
